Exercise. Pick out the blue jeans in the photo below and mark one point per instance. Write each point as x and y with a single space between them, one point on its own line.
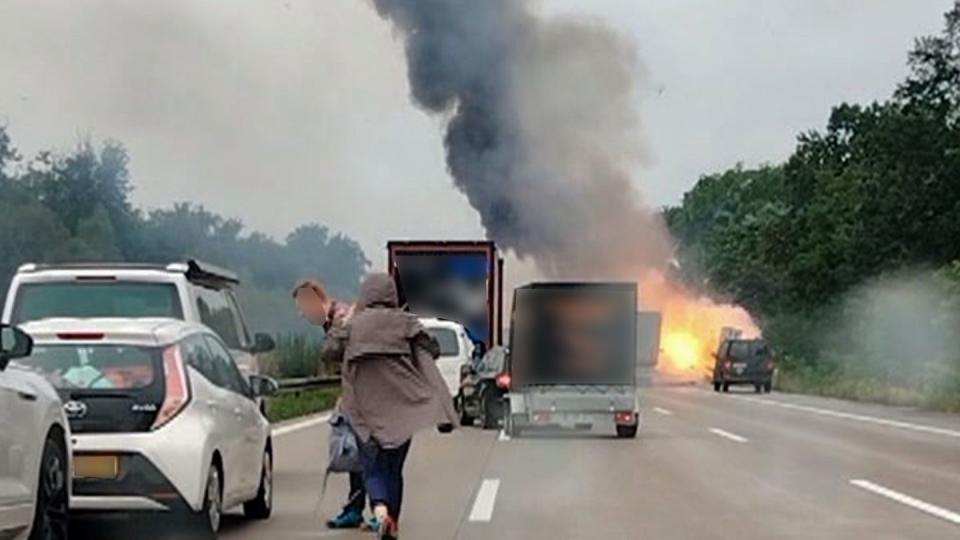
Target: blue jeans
358 494
383 470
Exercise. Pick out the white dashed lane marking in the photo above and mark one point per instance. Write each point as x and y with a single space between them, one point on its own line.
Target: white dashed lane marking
907 500
485 501
727 435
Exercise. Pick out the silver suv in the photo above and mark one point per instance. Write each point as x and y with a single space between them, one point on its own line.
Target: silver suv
161 418
191 291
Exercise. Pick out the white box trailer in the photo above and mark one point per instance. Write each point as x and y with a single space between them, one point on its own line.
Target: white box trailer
576 349
648 345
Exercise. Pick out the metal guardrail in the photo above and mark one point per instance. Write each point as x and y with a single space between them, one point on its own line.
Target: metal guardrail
308 383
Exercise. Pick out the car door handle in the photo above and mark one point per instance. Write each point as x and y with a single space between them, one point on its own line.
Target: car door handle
26 396
213 404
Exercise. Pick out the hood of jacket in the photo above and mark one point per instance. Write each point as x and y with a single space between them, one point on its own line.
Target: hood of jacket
378 290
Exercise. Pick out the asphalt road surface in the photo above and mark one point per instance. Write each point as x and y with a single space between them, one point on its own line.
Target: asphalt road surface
705 465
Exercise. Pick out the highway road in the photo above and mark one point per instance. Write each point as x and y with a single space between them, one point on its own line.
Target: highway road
706 465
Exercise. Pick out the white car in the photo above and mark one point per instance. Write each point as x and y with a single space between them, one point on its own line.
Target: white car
34 449
192 291
456 349
162 419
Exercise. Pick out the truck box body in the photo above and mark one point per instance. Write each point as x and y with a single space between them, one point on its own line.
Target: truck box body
454 280
574 357
574 334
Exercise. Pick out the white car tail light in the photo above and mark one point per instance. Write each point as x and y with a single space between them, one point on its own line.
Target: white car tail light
177 391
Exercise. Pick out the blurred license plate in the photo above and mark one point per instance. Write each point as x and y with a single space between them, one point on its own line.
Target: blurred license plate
98 467
739 366
567 420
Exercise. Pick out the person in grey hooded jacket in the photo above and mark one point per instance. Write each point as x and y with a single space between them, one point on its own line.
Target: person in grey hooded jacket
391 389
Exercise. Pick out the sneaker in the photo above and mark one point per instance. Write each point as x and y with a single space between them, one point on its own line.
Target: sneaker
348 519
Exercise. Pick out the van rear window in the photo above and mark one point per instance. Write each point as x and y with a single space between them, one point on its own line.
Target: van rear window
78 299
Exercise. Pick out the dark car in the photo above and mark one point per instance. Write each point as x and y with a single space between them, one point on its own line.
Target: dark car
483 386
744 362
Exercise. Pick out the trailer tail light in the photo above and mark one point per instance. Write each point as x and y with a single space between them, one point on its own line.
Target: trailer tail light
177 389
504 381
80 336
625 417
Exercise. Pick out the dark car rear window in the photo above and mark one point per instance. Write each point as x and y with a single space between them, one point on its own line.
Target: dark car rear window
36 301
747 350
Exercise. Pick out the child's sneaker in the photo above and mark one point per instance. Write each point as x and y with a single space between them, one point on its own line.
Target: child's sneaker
348 519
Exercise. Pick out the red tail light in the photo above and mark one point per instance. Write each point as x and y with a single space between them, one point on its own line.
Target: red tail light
728 364
80 336
771 364
177 393
625 417
504 381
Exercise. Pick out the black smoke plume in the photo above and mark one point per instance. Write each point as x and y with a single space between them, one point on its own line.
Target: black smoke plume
543 135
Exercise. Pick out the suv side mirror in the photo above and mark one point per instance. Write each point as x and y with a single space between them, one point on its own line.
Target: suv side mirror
263 386
263 343
14 343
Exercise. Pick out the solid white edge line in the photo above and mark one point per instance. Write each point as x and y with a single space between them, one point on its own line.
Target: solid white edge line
660 410
728 435
485 501
286 429
858 417
907 500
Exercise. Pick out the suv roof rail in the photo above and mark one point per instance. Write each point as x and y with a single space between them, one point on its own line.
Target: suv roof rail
194 270
38 267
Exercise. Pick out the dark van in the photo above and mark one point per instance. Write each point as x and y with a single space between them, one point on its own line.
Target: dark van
744 362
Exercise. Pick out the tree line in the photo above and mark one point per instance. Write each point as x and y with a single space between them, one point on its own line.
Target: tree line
76 206
874 196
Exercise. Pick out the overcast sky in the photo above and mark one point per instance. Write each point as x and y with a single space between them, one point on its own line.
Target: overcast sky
282 112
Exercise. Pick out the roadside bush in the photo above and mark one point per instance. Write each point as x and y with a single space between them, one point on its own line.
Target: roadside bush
295 356
296 404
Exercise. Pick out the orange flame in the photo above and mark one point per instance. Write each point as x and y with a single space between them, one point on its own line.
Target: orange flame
692 325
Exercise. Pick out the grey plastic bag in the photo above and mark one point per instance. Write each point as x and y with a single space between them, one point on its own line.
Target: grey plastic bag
345 454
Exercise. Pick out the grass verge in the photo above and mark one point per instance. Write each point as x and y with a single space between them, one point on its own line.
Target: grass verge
867 390
296 404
